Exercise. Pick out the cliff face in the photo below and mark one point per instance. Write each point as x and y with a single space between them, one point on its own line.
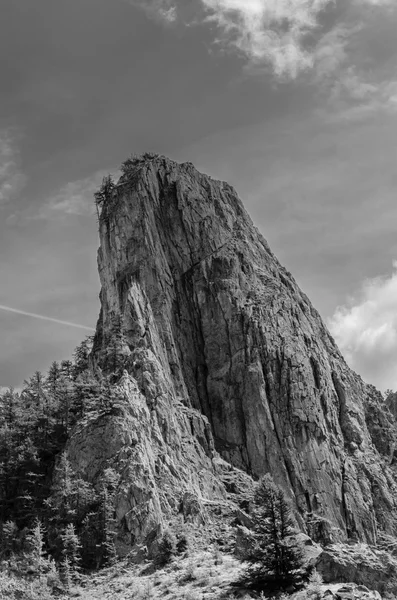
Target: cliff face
226 355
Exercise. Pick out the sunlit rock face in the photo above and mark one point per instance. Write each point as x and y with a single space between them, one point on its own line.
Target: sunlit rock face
226 355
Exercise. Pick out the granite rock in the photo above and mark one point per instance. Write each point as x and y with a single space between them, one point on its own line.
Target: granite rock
225 356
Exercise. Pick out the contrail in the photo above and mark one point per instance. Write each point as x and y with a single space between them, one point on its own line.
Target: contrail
43 318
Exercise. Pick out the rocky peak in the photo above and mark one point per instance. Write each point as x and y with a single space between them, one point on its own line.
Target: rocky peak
227 358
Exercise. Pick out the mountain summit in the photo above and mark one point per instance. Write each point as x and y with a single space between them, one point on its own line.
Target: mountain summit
228 370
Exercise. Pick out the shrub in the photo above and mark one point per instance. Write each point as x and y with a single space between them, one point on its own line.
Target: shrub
182 544
9 534
167 547
314 585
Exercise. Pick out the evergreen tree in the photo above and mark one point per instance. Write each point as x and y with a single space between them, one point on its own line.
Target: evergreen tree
274 556
8 407
8 539
35 539
90 538
81 356
71 549
167 547
66 573
107 520
60 509
67 369
71 499
104 195
86 392
53 377
116 350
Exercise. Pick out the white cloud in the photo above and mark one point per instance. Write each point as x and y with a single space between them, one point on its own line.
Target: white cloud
76 198
387 3
366 331
166 10
269 31
11 179
354 83
276 34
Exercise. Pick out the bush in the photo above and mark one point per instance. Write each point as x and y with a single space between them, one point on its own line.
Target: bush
14 588
167 547
182 544
314 586
9 536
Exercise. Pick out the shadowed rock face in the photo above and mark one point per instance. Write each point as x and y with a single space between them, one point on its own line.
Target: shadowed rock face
215 324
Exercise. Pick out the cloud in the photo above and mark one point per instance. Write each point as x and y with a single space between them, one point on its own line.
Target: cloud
166 10
366 330
331 42
386 3
346 68
269 31
76 198
11 179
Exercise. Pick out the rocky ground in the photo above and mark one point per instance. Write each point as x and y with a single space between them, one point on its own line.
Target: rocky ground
206 571
203 576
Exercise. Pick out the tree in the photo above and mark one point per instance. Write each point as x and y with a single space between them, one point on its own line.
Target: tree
8 539
71 549
67 369
116 350
167 547
107 548
104 195
35 539
274 557
81 356
53 376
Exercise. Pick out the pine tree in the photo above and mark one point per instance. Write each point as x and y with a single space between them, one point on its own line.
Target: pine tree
167 547
104 195
8 539
53 377
67 369
274 556
90 538
60 501
107 520
8 407
66 573
71 549
86 391
35 539
81 356
116 350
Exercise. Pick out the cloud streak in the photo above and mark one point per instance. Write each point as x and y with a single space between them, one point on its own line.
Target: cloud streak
44 318
366 330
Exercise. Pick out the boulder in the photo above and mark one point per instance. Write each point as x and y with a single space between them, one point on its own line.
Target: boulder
359 564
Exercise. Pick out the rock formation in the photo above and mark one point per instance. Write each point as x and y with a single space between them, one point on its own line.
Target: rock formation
228 367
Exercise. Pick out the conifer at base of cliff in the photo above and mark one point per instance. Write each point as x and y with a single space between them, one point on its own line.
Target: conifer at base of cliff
275 558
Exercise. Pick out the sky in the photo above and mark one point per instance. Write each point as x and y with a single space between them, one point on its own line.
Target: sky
293 102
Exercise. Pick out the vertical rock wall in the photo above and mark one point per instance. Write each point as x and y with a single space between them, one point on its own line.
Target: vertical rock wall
215 324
